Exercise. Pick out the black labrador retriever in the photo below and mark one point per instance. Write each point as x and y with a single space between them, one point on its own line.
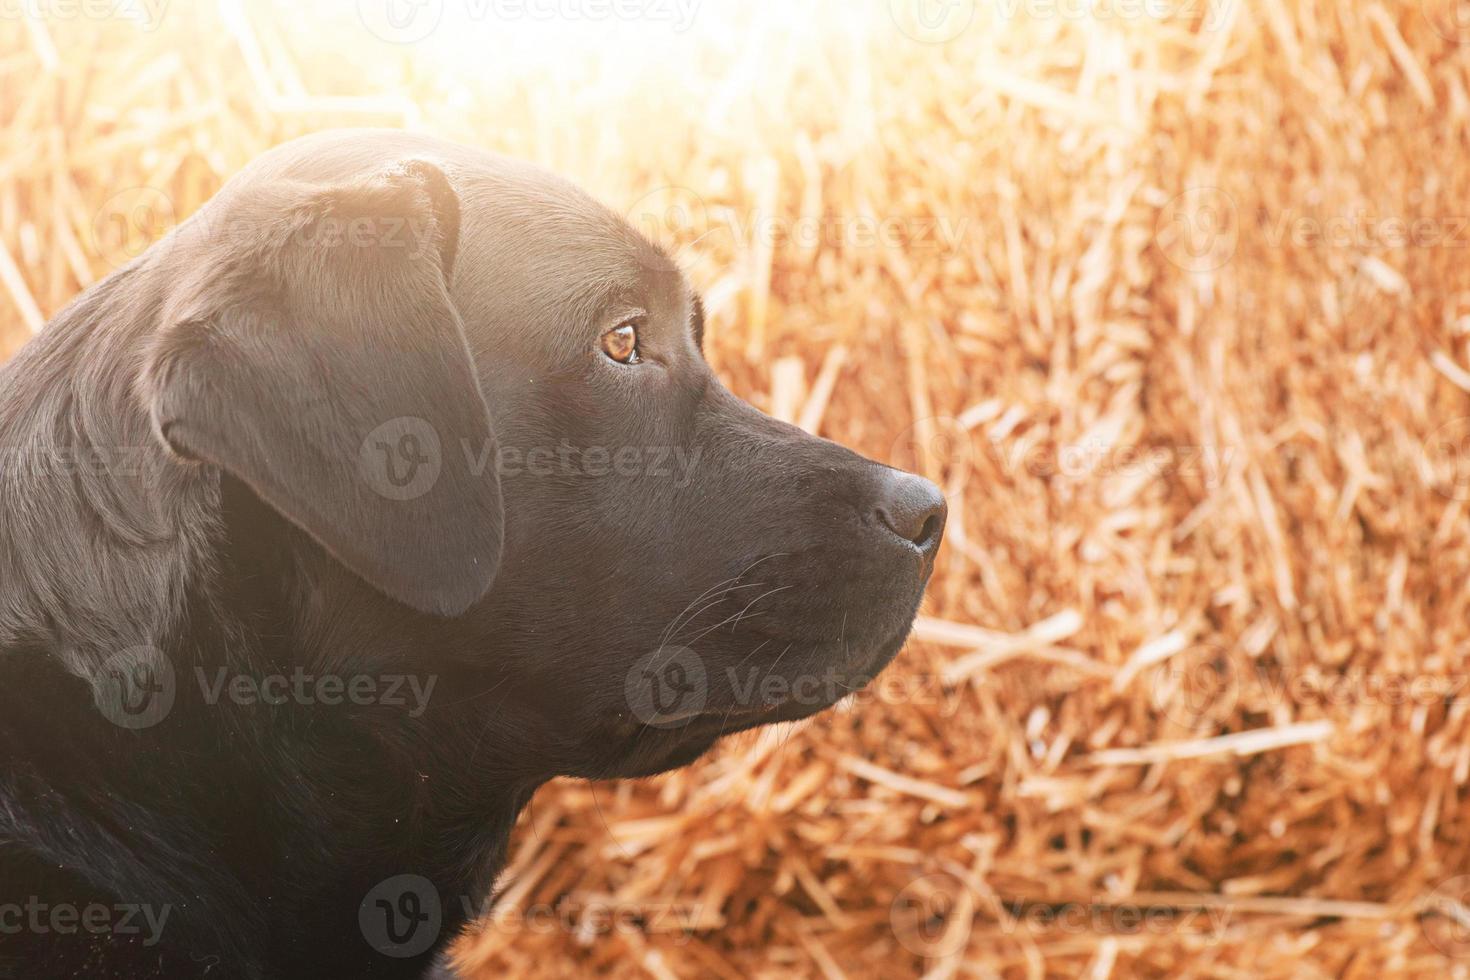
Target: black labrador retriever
389 486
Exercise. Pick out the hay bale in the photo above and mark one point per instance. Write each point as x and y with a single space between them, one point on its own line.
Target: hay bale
1177 308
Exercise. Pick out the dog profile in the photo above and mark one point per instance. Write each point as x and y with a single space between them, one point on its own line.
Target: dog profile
389 486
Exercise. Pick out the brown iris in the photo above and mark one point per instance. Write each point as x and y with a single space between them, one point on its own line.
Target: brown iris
621 343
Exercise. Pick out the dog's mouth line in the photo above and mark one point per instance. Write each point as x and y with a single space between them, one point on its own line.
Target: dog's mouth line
717 724
729 719
794 697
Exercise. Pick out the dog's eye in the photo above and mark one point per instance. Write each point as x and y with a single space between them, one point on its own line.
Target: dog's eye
621 343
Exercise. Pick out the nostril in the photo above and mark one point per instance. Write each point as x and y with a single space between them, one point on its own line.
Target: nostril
915 511
929 532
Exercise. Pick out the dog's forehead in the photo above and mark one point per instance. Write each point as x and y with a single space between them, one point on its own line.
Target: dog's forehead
522 223
534 248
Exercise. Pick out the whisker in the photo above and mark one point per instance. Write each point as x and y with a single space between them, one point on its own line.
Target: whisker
754 601
686 620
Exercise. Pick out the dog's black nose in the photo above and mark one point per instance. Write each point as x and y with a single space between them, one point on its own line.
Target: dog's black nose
914 509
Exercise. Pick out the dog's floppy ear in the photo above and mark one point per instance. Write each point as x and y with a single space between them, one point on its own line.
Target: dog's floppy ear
318 358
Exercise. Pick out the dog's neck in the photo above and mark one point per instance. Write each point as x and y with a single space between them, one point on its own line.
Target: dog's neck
94 521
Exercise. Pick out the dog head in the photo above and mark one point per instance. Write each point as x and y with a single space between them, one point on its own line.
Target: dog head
475 402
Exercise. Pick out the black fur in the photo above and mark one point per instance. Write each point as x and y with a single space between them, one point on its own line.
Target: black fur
351 423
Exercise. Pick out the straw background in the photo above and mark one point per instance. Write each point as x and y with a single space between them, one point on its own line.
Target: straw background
1174 300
